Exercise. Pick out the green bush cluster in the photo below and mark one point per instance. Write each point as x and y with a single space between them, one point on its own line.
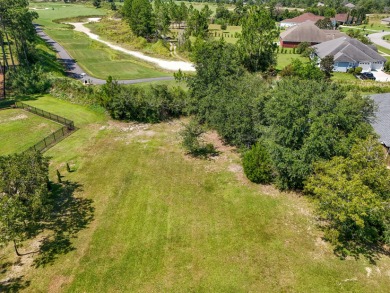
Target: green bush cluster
257 164
28 80
146 104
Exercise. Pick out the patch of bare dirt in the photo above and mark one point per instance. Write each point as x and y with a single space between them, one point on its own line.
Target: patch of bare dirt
14 118
24 262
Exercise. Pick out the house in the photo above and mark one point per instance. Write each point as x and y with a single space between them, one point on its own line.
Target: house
307 32
341 18
320 4
350 53
385 21
381 124
300 19
350 5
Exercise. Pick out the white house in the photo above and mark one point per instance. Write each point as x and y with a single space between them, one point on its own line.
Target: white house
350 53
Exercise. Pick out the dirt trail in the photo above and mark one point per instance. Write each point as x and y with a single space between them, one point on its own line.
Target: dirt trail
166 64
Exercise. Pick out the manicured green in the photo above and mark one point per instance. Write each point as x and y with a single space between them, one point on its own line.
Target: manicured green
342 76
164 222
20 130
95 58
285 59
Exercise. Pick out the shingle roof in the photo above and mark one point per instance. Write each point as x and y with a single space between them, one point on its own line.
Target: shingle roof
303 17
346 49
342 17
350 5
381 124
309 32
387 19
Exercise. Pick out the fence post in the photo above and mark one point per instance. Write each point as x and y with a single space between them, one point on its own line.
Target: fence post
44 140
63 134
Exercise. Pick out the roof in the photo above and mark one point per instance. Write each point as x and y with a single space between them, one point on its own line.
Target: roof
381 124
387 19
341 17
303 17
309 32
345 49
350 5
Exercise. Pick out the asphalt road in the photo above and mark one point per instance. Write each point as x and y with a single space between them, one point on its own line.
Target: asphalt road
377 39
75 71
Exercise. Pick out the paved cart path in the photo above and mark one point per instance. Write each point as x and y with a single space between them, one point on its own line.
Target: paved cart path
74 70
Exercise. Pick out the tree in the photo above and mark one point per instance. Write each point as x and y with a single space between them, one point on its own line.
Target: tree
256 44
353 196
23 195
308 70
302 128
327 65
97 3
325 24
257 164
138 14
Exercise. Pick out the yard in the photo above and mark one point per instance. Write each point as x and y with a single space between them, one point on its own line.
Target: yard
164 222
20 130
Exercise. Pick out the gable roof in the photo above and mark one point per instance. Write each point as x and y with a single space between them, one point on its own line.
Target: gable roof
381 124
309 32
350 5
346 49
303 17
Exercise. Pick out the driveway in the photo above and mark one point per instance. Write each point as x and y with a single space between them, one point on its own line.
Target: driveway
75 71
381 76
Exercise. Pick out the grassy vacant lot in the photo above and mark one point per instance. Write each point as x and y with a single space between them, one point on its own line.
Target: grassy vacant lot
95 58
164 222
20 130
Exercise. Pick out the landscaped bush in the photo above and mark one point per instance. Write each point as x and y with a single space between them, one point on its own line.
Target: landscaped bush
147 104
257 164
358 70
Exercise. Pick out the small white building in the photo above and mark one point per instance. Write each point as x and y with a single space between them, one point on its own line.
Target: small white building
350 53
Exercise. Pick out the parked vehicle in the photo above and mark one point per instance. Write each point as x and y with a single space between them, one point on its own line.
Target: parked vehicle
367 75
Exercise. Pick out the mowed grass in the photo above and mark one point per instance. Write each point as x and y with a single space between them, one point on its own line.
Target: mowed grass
285 59
164 222
20 130
95 58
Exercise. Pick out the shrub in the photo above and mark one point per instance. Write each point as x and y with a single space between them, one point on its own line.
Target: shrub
193 143
358 70
147 104
387 67
223 26
257 164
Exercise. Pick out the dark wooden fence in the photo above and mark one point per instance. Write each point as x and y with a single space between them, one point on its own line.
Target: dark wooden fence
49 141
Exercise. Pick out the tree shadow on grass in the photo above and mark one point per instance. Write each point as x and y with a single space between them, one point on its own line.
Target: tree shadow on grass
372 252
69 215
14 285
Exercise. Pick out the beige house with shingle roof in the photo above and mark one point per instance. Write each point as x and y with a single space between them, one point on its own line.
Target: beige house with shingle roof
307 32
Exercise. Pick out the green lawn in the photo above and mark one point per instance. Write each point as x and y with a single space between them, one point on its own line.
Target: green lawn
20 130
164 222
95 58
285 59
341 76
